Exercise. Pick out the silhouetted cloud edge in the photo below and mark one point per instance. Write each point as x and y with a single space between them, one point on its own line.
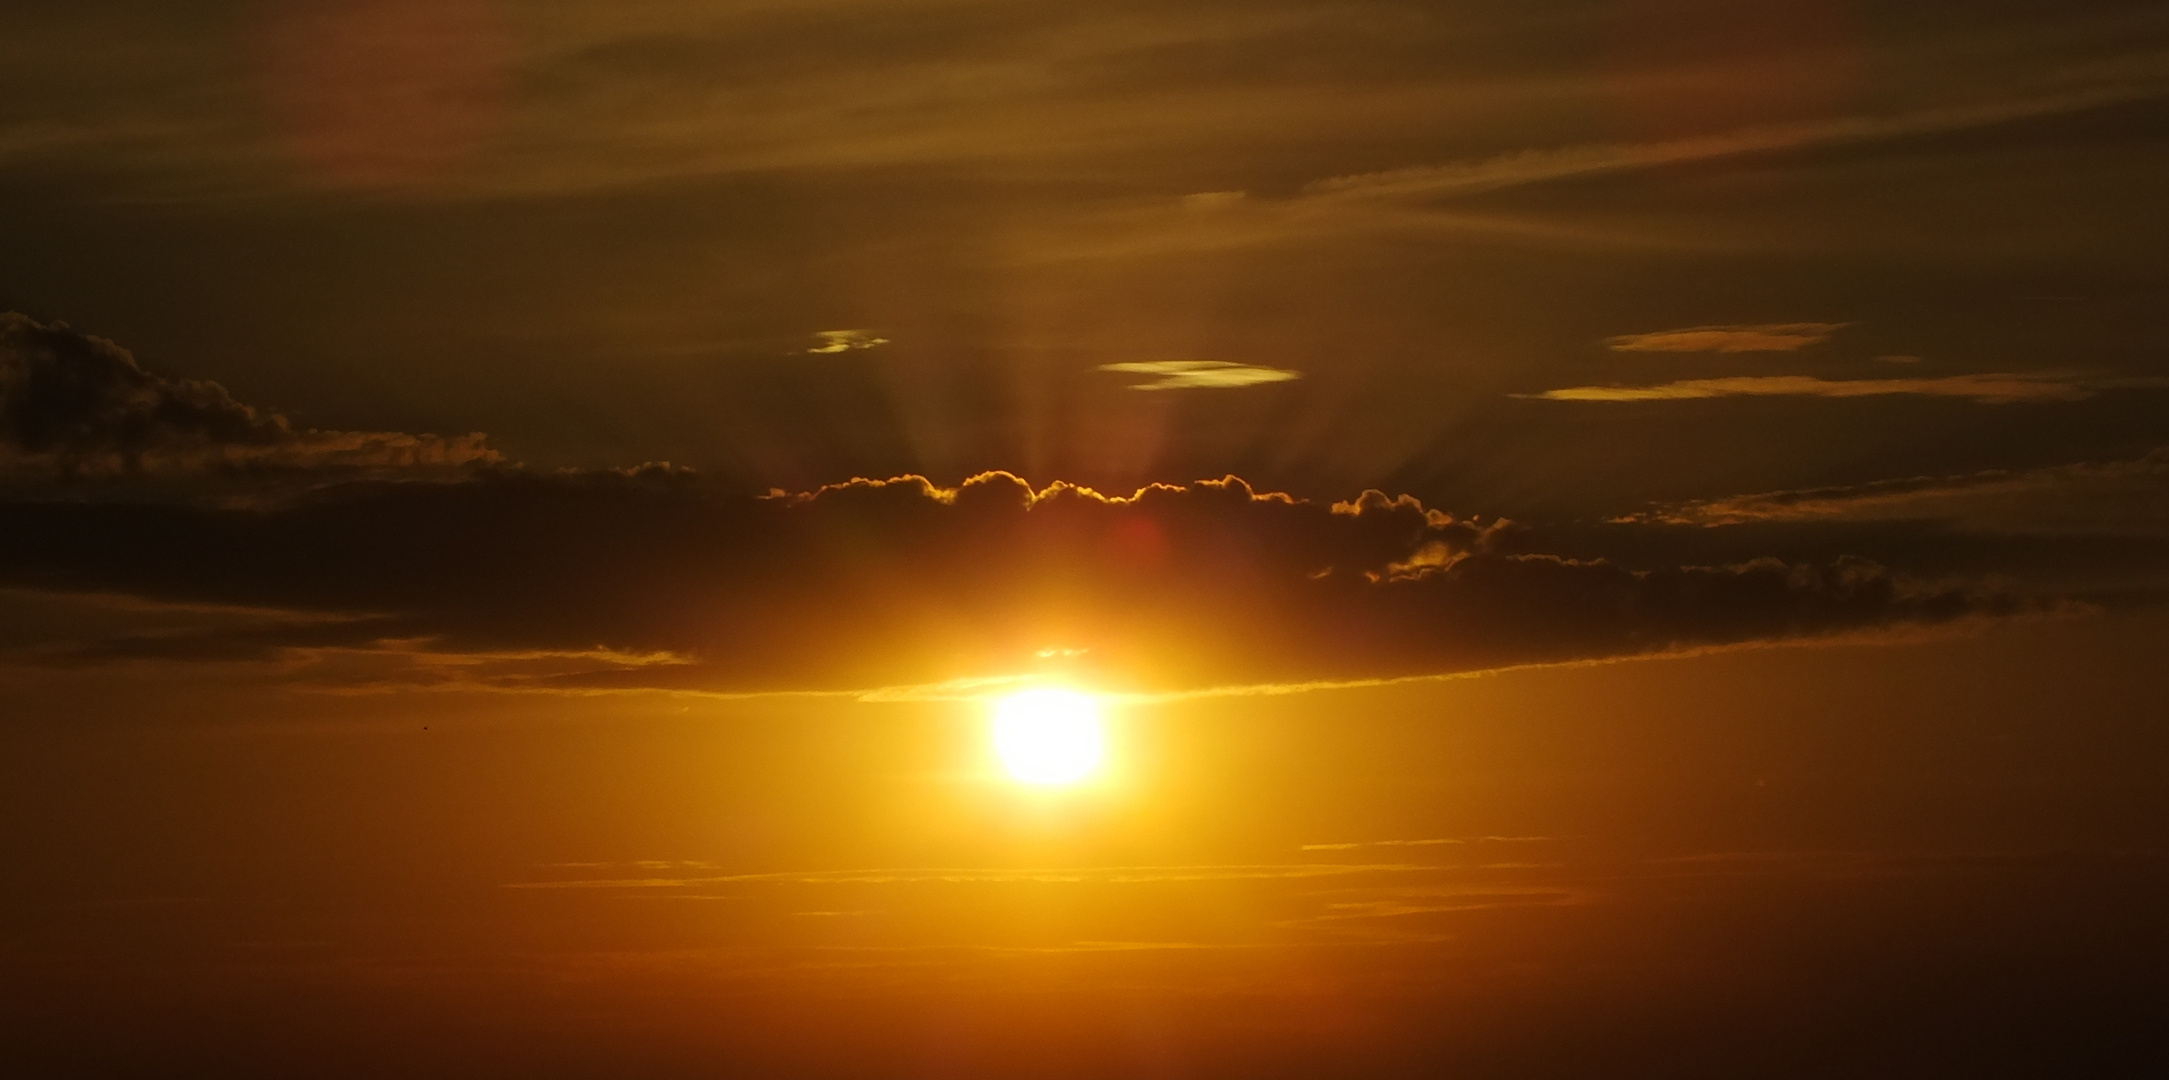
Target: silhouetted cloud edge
76 406
657 578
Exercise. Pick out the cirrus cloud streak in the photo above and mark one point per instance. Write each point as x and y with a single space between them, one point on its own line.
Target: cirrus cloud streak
1768 337
1200 374
1990 389
2129 497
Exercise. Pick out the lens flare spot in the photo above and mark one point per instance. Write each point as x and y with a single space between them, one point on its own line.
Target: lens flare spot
1048 737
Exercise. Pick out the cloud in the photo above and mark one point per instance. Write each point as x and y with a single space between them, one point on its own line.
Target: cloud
623 96
1429 842
660 578
1768 337
1991 389
74 405
1526 167
1114 875
1443 199
2129 497
1444 901
843 341
653 580
1200 374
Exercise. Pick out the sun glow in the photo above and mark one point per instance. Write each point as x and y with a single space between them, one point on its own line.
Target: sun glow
1048 737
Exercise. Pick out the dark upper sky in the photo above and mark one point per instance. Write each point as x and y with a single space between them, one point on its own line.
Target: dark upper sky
615 233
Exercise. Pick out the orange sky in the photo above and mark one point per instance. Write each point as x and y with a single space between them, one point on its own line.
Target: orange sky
1610 537
1696 860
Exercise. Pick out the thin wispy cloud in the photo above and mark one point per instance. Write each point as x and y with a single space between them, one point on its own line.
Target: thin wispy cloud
2128 497
1447 903
843 341
1767 337
1429 842
1117 875
1990 389
1417 197
1200 374
1524 167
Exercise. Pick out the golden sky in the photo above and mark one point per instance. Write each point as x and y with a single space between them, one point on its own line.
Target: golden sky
1554 538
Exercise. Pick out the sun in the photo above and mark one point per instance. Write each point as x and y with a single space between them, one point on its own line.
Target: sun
1048 737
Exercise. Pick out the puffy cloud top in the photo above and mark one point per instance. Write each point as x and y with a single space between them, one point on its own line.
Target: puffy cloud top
76 405
879 583
661 577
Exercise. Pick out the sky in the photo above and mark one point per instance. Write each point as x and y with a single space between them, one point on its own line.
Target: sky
1607 535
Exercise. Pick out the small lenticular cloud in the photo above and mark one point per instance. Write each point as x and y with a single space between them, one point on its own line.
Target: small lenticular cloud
1769 337
1991 389
843 341
1200 374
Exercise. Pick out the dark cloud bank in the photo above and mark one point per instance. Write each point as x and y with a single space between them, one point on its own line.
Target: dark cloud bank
74 406
856 585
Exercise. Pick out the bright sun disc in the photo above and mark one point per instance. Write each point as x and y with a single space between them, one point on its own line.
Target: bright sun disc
1048 736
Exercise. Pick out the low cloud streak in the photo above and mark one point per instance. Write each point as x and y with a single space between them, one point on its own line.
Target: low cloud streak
1200 374
1768 337
1990 389
660 578
843 341
2129 497
884 583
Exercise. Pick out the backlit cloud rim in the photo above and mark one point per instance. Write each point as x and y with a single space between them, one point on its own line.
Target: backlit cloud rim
452 567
